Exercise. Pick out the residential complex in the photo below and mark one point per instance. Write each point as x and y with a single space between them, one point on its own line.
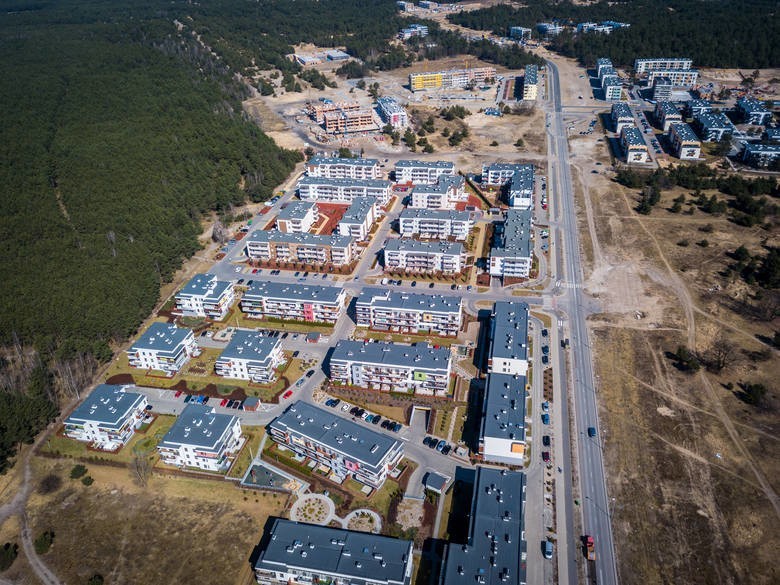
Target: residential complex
343 168
293 302
317 110
761 155
752 111
662 89
324 190
162 347
392 367
420 172
435 224
678 78
496 550
531 82
344 447
415 256
451 79
413 30
392 112
518 179
502 431
512 253
519 33
273 245
202 438
107 418
291 552
621 116
205 296
341 122
602 65
713 127
403 312
684 141
612 87
697 107
633 145
444 194
359 217
297 217
549 29
666 113
662 64
250 355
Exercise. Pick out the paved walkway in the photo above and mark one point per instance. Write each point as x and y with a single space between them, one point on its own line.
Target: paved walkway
315 509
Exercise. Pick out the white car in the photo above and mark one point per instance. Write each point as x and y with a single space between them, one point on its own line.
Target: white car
346 407
238 269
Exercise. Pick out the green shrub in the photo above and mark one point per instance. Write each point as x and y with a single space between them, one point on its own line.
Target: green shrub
88 480
8 554
44 541
78 471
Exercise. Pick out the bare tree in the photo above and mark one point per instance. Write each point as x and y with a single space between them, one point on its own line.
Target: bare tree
141 467
721 353
218 232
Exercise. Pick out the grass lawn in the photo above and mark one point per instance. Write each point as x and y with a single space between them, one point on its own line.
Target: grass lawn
239 319
254 435
443 420
445 514
362 333
146 442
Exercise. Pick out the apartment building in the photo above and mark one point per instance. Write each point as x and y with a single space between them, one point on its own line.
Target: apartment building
666 113
607 72
684 141
429 257
713 127
250 355
435 224
612 87
502 430
696 107
633 145
317 110
420 172
677 77
107 418
519 33
771 134
273 245
343 168
531 83
392 112
293 302
346 448
352 122
549 29
293 552
444 194
297 217
202 439
518 179
392 367
205 296
451 78
603 64
512 253
324 190
496 551
621 116
662 89
662 64
164 348
413 30
752 111
359 218
404 312
761 155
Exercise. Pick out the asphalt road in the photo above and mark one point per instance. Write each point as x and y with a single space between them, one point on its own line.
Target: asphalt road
595 507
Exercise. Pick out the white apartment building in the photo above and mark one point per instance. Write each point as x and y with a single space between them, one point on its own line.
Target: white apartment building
662 64
343 168
107 418
392 367
273 245
323 190
202 439
404 312
445 194
359 218
677 77
250 355
164 348
416 256
512 253
613 88
603 64
392 112
518 180
634 146
420 172
435 224
297 217
205 296
531 83
667 114
621 116
293 302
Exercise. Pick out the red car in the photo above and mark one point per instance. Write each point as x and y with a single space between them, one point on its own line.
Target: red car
254 271
223 402
546 456
287 394
178 393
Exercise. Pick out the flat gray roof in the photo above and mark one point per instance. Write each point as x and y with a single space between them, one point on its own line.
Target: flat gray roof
633 136
390 299
503 410
621 110
510 330
531 75
199 426
374 183
161 337
108 405
496 528
751 105
295 210
358 210
337 433
441 214
409 245
353 556
250 345
684 132
515 240
442 184
714 120
359 162
304 238
667 108
292 292
435 481
611 80
419 356
603 61
205 285
428 164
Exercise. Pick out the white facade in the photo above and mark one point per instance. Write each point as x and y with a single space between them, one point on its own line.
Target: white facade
107 418
205 296
392 112
445 194
512 254
343 168
403 312
250 356
164 348
420 172
359 218
415 256
435 224
684 142
297 217
294 302
324 190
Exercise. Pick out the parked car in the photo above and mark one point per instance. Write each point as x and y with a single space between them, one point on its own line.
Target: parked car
546 440
230 404
287 394
223 402
205 400
387 424
547 549
431 285
546 406
432 442
440 446
238 404
354 410
397 427
345 408
545 360
376 419
546 456
545 333
414 283
446 450
426 441
545 418
310 373
368 418
178 393
591 431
